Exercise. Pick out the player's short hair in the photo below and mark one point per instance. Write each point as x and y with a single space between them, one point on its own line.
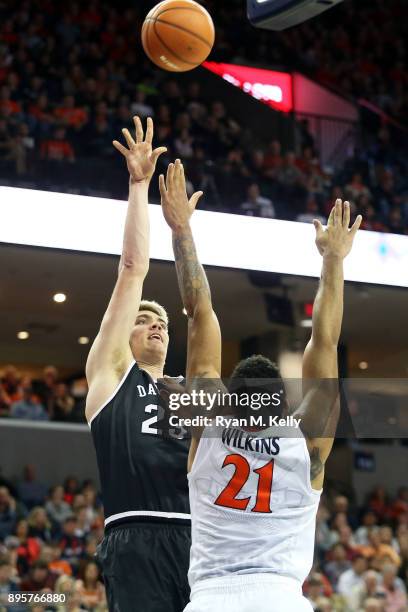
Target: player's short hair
155 307
264 373
256 366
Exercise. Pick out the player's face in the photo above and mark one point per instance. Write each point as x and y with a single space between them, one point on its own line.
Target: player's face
150 338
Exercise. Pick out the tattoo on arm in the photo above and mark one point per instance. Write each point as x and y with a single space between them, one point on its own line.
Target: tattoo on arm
190 273
316 464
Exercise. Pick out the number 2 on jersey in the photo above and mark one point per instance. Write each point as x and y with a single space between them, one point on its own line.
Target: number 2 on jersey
228 497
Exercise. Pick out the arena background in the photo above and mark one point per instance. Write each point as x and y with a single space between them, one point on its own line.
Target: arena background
329 119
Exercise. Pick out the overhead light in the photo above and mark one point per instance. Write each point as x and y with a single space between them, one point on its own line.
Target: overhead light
23 335
83 340
184 311
306 323
59 298
363 365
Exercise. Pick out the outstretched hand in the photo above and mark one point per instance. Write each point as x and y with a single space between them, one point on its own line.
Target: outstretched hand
176 206
337 239
141 159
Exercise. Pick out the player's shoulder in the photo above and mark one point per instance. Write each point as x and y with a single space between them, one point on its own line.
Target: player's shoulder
104 387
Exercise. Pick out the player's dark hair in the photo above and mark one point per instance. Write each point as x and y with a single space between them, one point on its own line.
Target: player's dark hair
256 374
256 366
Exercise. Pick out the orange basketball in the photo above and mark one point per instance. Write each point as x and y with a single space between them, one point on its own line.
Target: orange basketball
178 35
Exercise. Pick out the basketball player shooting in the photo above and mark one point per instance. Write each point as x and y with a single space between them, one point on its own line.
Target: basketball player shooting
145 552
253 499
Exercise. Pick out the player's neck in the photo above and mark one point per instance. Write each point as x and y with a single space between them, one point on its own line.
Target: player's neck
155 370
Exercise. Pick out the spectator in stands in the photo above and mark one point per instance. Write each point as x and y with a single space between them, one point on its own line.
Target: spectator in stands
337 565
71 488
72 546
356 188
379 550
11 385
39 578
31 491
315 588
289 174
7 584
71 115
256 204
273 159
39 525
369 588
58 148
368 521
57 509
311 212
90 587
45 386
29 547
395 590
8 512
353 577
63 403
28 407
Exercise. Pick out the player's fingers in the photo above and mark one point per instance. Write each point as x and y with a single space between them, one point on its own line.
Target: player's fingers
170 177
120 147
338 210
130 142
356 225
149 131
162 186
346 215
318 227
194 199
182 175
177 165
330 220
139 129
157 152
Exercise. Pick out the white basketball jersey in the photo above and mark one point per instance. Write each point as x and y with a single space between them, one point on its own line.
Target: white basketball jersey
253 508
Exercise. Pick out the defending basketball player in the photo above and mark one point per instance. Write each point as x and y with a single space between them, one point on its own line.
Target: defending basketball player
145 551
253 499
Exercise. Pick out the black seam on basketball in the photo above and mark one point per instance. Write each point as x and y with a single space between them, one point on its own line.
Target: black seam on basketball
179 27
176 55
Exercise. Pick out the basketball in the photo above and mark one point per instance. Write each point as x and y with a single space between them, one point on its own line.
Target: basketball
178 35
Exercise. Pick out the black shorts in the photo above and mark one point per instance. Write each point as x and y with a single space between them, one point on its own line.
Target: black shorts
145 566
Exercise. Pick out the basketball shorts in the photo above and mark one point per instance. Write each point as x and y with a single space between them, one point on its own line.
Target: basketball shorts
145 566
248 593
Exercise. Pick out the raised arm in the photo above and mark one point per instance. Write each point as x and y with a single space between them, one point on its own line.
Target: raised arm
320 358
204 336
110 354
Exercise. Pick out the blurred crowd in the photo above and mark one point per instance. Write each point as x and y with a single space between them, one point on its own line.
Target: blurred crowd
72 75
49 536
48 540
43 399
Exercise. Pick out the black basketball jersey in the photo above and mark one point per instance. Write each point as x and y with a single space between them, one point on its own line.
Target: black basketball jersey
142 462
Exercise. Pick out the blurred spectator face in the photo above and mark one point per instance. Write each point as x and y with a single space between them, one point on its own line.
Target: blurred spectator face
6 572
311 206
339 553
57 495
218 110
374 537
341 504
91 546
315 587
345 534
10 374
71 484
359 565
79 500
39 517
89 494
4 497
47 555
61 390
373 605
369 519
253 192
275 147
371 581
290 158
22 529
69 526
50 374
389 573
39 572
91 572
386 535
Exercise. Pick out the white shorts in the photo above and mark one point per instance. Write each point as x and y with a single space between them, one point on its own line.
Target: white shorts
248 593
